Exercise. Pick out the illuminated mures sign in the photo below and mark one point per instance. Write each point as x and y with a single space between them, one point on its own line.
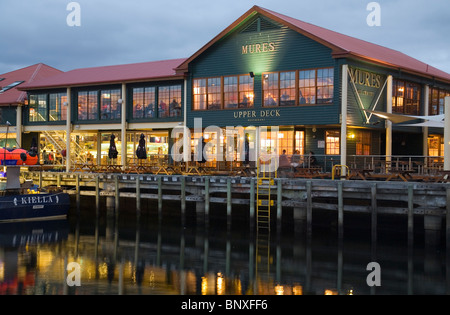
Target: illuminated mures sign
365 78
258 48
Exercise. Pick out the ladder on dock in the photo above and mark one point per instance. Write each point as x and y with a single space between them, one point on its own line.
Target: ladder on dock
266 174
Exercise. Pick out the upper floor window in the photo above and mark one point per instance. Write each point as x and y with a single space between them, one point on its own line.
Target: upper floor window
144 101
436 101
169 101
57 108
405 97
99 105
88 105
315 86
223 92
110 108
38 107
47 107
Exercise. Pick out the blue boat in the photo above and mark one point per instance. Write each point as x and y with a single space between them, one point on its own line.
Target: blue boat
25 202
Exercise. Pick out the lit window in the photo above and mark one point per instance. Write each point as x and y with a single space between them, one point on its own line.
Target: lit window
405 97
332 142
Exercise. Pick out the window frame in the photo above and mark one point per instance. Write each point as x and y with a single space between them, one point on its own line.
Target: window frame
396 97
202 100
299 86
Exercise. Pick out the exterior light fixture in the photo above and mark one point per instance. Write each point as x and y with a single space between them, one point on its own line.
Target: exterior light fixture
252 75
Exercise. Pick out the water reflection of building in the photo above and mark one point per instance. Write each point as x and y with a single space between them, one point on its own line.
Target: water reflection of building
174 260
264 70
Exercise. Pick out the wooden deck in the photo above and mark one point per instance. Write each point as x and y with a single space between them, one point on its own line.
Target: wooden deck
303 195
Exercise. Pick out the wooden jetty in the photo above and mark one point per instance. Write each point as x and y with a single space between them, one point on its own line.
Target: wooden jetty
430 200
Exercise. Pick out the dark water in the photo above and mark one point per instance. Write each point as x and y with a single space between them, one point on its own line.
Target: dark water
165 256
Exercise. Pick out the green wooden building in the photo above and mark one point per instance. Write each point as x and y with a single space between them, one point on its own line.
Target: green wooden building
286 84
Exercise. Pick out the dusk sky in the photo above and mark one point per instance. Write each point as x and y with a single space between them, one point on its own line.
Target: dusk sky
120 32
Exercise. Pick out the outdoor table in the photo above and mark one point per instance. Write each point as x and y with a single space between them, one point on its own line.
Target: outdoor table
361 173
405 175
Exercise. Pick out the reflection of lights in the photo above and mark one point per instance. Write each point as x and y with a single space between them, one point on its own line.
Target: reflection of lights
220 284
279 290
297 290
330 292
204 285
350 292
2 271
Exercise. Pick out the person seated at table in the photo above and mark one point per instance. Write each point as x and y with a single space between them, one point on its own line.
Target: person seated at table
312 159
296 159
283 160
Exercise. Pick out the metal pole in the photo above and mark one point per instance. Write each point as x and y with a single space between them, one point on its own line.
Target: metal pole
447 135
344 94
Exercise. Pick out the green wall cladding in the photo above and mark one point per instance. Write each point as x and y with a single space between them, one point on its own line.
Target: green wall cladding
293 51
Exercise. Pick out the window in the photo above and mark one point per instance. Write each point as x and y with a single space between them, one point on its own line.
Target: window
315 86
230 92
199 94
213 93
287 88
245 91
332 142
299 144
435 145
436 102
87 105
405 97
38 107
144 100
270 89
307 87
109 104
223 92
57 109
325 86
363 142
169 101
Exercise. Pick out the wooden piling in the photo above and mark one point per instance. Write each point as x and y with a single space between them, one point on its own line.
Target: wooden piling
373 193
340 208
279 200
228 201
138 195
206 200
252 202
410 211
308 207
183 196
97 195
77 187
159 196
117 193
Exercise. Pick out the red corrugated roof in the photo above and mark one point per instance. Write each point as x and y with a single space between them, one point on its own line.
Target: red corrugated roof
110 74
28 74
341 45
351 46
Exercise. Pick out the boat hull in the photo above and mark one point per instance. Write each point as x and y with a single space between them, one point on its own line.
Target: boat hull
34 206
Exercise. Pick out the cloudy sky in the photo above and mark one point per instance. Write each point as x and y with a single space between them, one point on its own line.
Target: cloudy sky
119 32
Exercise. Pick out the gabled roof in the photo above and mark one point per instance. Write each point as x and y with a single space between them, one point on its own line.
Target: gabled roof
341 45
28 75
110 74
